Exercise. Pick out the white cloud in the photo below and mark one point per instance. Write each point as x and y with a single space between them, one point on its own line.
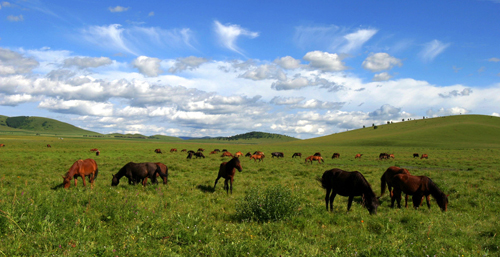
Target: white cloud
432 49
15 18
291 84
324 61
118 9
279 100
151 14
188 63
384 76
148 66
494 59
110 37
381 61
87 62
14 63
356 39
447 112
455 93
288 62
78 107
228 34
264 72
14 100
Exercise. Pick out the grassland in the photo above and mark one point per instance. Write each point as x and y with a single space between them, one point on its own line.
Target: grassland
188 218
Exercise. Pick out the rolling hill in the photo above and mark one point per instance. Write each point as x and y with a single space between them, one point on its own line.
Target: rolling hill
25 125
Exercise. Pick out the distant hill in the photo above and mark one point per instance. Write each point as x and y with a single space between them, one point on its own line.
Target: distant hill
460 131
39 125
253 137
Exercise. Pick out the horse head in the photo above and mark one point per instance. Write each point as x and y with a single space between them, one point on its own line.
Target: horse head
115 181
371 203
66 181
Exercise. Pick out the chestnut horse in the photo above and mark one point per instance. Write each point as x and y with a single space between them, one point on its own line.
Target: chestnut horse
2 145
81 168
256 157
94 150
173 150
348 183
418 187
315 158
136 172
226 154
424 156
358 155
227 171
386 180
158 150
238 154
48 146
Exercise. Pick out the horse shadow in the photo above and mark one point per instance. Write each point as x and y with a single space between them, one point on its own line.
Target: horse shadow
57 186
205 188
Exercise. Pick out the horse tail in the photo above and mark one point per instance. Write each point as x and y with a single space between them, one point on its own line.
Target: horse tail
96 172
326 179
383 185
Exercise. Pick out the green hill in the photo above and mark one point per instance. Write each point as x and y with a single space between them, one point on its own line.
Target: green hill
253 137
461 131
38 125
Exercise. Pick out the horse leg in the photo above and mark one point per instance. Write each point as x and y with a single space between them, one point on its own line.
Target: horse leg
327 197
349 202
427 197
417 200
145 181
406 201
332 197
231 185
217 179
226 186
397 195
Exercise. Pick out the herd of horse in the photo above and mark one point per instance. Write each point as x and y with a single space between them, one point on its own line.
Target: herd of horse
335 181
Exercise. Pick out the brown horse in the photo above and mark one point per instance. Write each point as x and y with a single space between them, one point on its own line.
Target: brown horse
256 157
226 154
2 145
335 156
136 172
424 156
238 154
213 152
183 150
386 180
382 156
48 146
173 150
227 171
94 150
358 155
163 171
348 183
201 149
81 168
158 150
391 156
315 158
418 187
297 154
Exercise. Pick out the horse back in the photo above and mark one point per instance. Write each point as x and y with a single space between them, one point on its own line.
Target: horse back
346 183
410 184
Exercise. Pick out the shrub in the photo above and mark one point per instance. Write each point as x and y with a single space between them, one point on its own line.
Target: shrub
273 204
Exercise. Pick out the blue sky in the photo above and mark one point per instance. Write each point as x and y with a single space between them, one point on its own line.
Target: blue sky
220 68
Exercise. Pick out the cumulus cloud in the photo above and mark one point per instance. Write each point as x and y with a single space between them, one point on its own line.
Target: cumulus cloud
324 61
118 9
264 72
388 112
432 49
78 107
380 61
279 100
290 84
87 62
384 76
148 66
456 93
228 34
14 63
288 62
14 100
188 63
317 104
447 112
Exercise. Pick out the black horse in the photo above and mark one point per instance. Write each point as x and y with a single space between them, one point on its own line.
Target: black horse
297 154
277 154
348 183
199 155
136 172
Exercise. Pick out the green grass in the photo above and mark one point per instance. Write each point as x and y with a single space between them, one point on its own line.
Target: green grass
188 218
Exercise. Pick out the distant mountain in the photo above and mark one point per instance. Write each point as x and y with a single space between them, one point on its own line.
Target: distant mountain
250 137
39 125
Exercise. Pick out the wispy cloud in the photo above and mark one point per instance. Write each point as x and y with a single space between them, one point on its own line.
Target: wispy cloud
432 49
15 18
228 34
356 39
118 9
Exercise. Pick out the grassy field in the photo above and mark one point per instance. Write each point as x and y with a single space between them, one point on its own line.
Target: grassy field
188 218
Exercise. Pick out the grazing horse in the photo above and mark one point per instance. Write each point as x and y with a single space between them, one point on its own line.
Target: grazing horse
238 154
256 157
48 146
158 150
386 180
201 149
348 183
226 154
183 150
248 154
315 158
213 152
173 150
199 155
391 156
216 150
81 168
277 154
163 171
94 150
418 187
2 145
190 155
258 152
224 150
227 171
415 155
358 156
335 155
383 156
317 154
135 172
297 154
424 156
191 151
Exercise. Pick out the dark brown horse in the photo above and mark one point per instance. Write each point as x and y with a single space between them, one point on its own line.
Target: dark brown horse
227 171
382 156
163 174
386 180
48 146
317 154
418 187
136 172
297 154
158 150
81 168
415 155
173 150
315 158
248 154
348 183
335 156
